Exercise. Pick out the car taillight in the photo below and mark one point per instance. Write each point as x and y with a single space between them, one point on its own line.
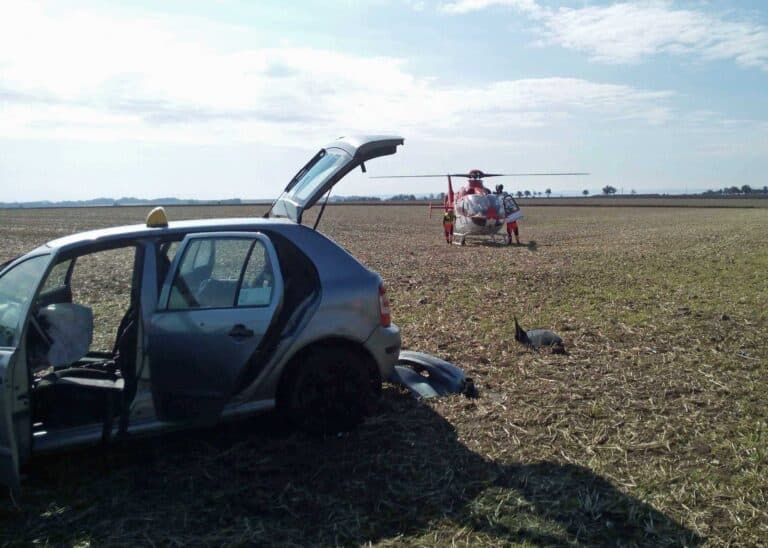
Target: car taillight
385 314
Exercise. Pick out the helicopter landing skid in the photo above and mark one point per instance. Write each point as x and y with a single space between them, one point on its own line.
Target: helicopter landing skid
462 239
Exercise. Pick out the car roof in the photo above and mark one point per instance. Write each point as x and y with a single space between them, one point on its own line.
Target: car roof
104 235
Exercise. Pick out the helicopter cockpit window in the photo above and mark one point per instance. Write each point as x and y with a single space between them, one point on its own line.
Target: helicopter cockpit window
316 175
495 201
476 204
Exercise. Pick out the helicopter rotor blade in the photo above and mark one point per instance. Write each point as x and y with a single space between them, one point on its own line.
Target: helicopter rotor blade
484 175
531 174
406 176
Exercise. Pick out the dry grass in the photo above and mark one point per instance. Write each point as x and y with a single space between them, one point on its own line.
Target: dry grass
651 431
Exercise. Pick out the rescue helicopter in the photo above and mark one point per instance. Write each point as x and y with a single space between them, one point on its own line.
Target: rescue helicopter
477 210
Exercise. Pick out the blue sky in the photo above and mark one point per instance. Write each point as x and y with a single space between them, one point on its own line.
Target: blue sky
228 98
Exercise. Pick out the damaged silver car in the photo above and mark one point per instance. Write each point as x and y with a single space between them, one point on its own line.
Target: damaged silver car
136 329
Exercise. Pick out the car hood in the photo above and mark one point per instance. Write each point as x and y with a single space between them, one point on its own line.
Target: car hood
328 167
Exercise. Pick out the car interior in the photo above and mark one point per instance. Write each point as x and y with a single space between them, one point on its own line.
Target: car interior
82 341
82 366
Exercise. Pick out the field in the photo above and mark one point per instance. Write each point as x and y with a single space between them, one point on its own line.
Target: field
652 430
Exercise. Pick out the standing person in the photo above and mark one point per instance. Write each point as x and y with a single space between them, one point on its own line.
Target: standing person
449 217
509 207
512 227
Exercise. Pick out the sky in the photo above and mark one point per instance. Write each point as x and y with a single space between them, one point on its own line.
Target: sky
229 98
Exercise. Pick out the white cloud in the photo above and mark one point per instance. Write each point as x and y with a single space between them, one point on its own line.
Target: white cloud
628 32
90 76
465 6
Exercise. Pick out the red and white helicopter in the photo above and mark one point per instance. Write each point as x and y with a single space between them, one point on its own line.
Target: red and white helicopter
478 211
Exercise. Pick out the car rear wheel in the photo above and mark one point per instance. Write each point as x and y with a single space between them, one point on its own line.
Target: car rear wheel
330 389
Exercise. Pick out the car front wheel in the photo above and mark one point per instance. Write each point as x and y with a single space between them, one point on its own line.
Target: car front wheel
330 389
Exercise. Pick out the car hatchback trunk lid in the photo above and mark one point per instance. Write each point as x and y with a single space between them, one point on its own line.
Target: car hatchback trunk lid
326 168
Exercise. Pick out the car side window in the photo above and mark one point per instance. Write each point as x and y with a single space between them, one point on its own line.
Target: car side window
17 287
197 256
258 279
57 278
222 273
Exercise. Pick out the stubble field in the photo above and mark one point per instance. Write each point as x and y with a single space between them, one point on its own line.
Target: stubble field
652 430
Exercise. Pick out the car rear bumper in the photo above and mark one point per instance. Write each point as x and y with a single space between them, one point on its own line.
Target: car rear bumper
384 346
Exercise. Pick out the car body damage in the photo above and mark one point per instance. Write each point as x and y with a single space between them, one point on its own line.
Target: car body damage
195 321
428 376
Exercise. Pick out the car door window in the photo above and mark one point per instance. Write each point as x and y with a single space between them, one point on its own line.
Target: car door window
57 278
258 279
102 281
17 287
222 273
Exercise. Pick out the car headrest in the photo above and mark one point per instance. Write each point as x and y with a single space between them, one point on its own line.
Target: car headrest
70 328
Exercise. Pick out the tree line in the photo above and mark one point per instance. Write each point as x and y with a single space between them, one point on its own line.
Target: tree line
736 191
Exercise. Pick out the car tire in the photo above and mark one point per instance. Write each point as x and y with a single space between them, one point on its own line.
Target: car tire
329 389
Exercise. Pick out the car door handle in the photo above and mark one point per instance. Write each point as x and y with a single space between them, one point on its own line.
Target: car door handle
240 332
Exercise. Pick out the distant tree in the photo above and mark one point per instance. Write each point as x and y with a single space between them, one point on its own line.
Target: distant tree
519 193
548 192
608 190
733 190
632 192
765 190
746 189
402 198
527 193
585 192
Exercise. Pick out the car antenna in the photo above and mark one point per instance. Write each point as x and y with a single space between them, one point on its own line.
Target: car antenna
322 208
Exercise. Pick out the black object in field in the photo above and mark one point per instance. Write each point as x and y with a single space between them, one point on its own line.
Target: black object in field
536 338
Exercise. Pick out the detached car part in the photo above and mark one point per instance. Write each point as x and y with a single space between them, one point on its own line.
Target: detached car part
428 376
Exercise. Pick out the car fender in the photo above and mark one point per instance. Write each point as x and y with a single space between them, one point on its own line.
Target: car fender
428 376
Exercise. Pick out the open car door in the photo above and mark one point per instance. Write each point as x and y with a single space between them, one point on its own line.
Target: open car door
221 295
18 285
326 169
9 451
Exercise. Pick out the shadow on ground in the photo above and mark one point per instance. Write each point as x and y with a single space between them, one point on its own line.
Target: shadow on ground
530 246
404 476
